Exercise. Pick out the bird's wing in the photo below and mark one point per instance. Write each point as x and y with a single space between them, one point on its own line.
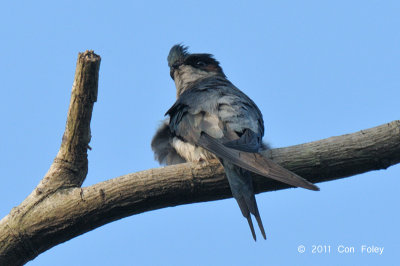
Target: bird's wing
254 162
248 142
224 121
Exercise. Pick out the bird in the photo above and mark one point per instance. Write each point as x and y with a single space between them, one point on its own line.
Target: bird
213 119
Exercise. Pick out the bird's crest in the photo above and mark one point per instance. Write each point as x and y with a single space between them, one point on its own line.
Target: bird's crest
177 53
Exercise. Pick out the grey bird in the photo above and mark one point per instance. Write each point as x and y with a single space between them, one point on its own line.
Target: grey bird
210 119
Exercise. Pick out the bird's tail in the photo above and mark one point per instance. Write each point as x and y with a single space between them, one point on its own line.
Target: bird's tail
246 209
242 190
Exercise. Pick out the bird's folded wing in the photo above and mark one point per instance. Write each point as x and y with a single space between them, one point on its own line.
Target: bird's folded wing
248 142
254 162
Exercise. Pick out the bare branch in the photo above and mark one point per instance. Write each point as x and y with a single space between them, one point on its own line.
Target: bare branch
68 170
70 167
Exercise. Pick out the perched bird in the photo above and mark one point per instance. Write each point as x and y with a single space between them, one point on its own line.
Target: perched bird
210 119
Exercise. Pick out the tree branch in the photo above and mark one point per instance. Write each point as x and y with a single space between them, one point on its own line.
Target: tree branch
70 166
69 169
58 209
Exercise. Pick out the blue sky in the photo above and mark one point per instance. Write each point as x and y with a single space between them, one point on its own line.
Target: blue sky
315 68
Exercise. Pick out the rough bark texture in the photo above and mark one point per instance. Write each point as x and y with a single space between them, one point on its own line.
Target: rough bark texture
18 243
59 209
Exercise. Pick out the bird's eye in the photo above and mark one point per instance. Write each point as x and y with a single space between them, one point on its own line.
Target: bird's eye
201 63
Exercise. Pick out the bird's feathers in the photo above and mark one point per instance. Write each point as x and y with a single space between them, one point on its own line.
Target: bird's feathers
177 53
248 142
212 117
161 144
217 96
241 185
199 117
254 162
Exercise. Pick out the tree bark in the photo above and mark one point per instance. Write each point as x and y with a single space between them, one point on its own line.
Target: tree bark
59 209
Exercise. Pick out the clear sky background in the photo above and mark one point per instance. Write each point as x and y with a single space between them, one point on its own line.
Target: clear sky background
316 69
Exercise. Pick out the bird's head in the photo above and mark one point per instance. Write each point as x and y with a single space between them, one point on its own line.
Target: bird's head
186 68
